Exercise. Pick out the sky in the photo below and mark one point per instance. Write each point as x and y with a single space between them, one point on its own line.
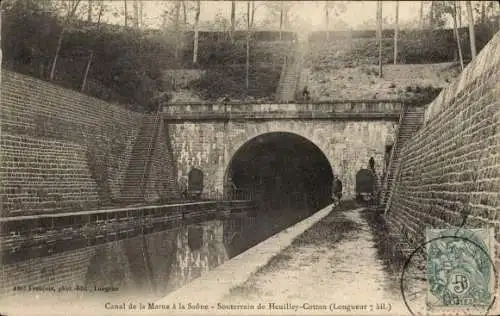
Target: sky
311 12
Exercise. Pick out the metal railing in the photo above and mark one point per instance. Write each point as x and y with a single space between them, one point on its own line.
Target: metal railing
147 159
242 195
391 192
288 58
395 144
232 195
386 193
300 61
282 78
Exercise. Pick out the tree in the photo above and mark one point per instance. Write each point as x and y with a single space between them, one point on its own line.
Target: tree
91 54
483 12
396 31
457 35
233 19
247 63
184 10
379 36
252 16
177 28
136 14
125 14
326 9
431 15
141 13
372 23
241 19
459 12
1 53
196 32
337 7
282 9
439 11
71 5
89 12
472 35
279 9
421 14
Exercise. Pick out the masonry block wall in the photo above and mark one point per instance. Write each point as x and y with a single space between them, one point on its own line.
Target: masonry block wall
61 150
210 146
200 145
450 170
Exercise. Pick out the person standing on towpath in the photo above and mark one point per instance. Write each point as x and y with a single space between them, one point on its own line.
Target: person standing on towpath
336 190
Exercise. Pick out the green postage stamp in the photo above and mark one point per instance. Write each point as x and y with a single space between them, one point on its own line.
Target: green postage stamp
460 272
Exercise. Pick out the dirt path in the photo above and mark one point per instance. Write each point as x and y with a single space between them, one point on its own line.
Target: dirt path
331 267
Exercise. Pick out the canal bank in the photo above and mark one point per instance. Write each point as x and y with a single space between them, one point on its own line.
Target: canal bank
326 264
214 285
131 266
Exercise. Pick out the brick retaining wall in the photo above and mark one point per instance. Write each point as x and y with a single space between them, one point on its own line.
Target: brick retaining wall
61 150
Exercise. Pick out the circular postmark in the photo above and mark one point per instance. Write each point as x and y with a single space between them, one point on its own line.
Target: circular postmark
450 272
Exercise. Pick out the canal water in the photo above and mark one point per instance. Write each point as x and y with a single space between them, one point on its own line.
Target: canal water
145 267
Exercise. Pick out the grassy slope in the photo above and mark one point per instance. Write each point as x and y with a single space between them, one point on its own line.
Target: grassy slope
363 82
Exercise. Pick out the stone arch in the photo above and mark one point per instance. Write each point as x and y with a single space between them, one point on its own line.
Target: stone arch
238 142
282 150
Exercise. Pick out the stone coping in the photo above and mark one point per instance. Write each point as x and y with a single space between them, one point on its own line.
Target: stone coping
337 101
131 209
280 111
270 116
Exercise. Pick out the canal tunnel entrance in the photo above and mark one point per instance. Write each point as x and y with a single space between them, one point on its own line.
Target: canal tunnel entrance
281 171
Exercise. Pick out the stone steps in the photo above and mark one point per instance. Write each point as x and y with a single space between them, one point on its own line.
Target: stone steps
140 159
287 90
411 122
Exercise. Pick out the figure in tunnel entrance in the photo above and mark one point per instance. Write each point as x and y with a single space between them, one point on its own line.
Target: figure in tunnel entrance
376 187
232 189
195 184
367 188
305 94
336 190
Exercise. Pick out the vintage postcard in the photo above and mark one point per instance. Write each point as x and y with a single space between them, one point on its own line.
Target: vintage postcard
249 157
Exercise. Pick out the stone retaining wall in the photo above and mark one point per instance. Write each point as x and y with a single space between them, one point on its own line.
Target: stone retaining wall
450 170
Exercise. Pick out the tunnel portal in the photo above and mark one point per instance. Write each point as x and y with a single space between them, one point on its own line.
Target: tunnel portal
281 171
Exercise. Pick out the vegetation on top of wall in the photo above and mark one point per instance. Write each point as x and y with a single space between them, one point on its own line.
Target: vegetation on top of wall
126 63
221 53
228 82
415 47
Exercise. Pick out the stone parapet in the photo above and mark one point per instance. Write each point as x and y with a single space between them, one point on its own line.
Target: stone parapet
348 109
